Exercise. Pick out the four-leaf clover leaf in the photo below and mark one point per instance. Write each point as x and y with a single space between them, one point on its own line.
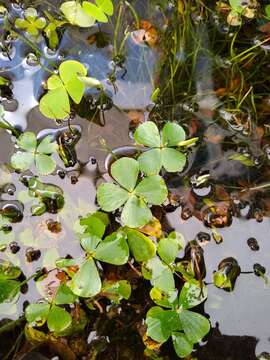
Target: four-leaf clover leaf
135 197
162 152
34 152
31 23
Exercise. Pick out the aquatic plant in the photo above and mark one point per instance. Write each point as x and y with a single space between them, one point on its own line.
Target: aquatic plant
87 13
136 198
58 320
34 152
71 82
113 249
31 23
162 152
185 327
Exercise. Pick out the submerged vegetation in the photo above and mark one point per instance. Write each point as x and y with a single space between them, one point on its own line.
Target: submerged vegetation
141 118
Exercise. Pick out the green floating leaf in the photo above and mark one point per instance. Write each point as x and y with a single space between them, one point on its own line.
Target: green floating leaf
22 160
147 134
9 289
173 160
8 270
116 290
113 250
45 164
94 11
106 6
76 15
37 313
95 224
166 299
59 319
192 294
194 325
267 11
153 190
135 213
55 104
86 282
64 295
172 134
141 247
150 162
125 171
168 249
27 141
182 345
161 323
110 196
160 275
89 242
47 145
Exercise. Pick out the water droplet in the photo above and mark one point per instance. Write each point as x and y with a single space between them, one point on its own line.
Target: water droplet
14 247
9 189
203 237
13 210
253 244
32 254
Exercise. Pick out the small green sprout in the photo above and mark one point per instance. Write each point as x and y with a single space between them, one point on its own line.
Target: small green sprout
31 23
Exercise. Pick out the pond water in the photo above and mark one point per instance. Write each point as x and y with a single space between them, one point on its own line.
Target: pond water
231 204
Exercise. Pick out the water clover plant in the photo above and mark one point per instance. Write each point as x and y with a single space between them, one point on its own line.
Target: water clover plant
162 152
70 82
185 327
113 249
87 13
31 23
59 321
136 196
35 152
